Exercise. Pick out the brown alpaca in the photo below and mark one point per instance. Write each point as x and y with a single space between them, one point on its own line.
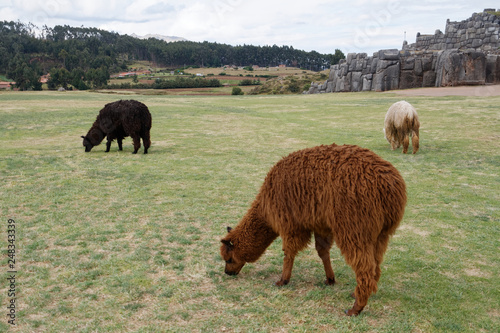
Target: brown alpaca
401 121
118 120
342 194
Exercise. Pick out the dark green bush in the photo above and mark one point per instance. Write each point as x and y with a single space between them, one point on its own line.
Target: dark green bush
237 91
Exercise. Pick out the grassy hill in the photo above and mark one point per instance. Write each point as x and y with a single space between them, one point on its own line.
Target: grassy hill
272 80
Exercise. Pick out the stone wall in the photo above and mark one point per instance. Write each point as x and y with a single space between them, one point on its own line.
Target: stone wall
479 32
467 54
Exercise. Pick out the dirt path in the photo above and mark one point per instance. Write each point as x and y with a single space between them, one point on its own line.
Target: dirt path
479 91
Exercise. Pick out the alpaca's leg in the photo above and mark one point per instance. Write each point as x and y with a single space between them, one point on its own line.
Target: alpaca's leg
360 255
366 282
146 141
108 144
120 141
287 268
406 143
414 141
395 141
291 246
380 248
137 143
394 145
323 245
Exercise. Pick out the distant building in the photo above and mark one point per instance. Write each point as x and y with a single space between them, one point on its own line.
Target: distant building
6 85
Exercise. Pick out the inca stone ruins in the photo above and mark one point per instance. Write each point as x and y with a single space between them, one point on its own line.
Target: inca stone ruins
467 53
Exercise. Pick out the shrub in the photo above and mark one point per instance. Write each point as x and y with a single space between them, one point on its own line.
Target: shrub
294 87
237 91
248 82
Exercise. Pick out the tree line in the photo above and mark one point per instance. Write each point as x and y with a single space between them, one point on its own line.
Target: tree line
85 57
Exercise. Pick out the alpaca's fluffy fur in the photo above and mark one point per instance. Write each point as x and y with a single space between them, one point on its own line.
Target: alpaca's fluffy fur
118 120
342 194
401 121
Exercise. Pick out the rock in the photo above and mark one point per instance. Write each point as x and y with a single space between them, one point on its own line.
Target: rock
418 67
409 79
367 83
408 63
391 54
356 82
429 79
492 68
460 68
387 79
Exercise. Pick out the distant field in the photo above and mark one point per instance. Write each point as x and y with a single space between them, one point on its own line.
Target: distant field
228 77
116 242
283 71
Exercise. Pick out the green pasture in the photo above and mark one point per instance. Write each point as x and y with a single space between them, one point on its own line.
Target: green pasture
116 242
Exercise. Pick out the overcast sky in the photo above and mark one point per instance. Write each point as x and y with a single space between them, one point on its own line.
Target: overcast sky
323 26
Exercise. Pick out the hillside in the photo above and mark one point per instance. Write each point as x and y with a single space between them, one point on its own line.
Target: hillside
86 57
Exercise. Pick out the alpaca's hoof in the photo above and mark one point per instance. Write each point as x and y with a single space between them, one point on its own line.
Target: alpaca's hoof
330 281
281 283
351 312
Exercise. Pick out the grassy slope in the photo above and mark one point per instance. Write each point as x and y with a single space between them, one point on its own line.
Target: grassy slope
119 242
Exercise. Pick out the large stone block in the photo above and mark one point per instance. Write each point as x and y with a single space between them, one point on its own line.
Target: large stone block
493 68
383 64
429 79
374 65
344 69
387 79
426 63
407 63
356 82
367 83
460 68
390 54
476 42
347 82
360 64
409 79
350 57
340 85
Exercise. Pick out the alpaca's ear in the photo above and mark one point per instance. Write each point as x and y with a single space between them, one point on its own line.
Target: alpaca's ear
229 229
83 137
227 243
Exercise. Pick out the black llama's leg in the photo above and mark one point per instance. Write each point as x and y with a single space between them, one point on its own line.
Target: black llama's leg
108 144
120 140
137 143
147 142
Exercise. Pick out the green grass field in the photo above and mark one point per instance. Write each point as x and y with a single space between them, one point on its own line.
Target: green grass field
116 242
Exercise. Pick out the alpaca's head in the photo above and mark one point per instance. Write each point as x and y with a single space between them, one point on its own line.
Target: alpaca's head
93 138
87 144
234 264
